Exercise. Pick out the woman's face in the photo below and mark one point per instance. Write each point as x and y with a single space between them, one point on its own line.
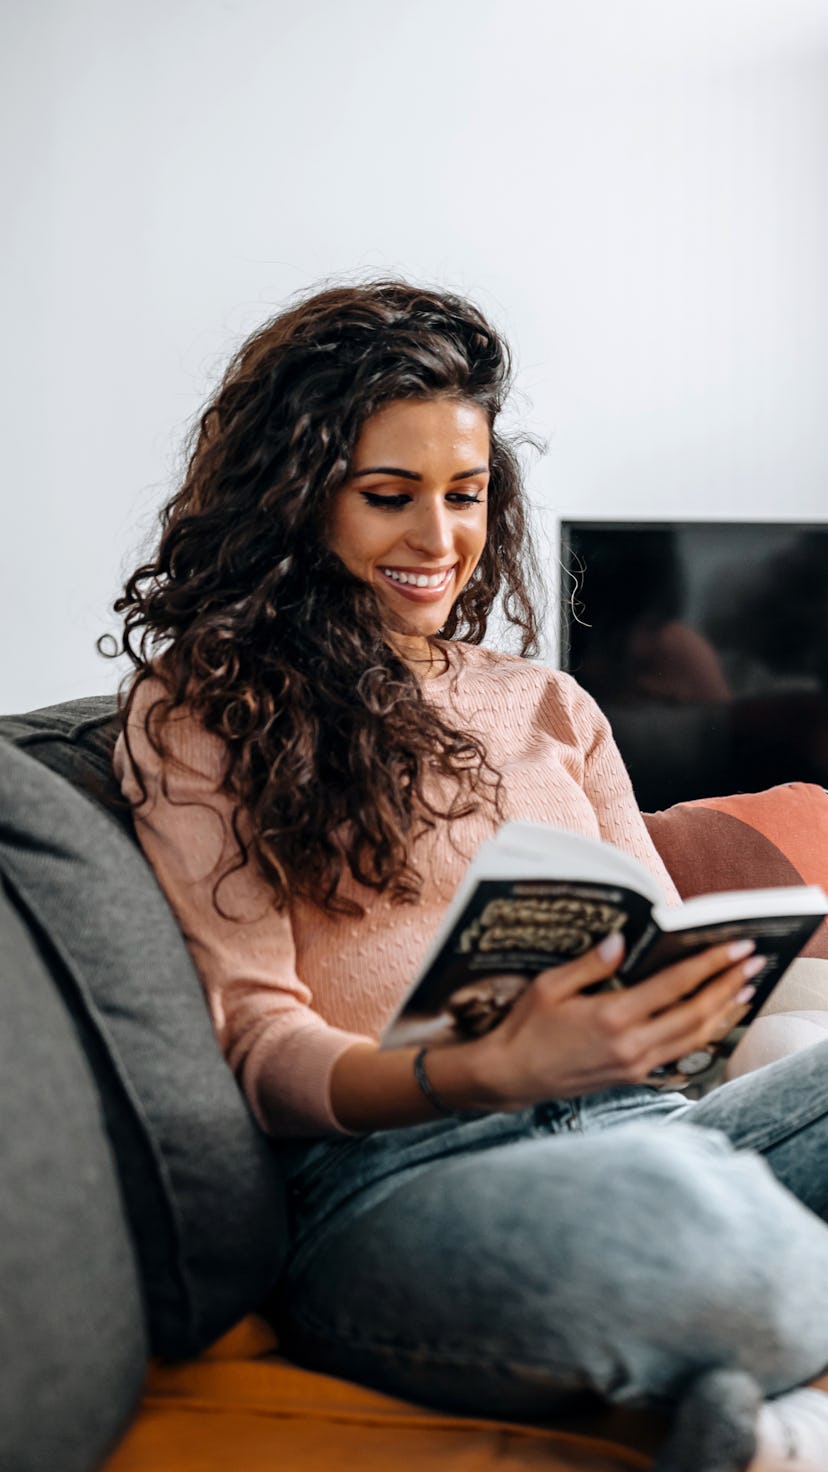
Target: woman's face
411 517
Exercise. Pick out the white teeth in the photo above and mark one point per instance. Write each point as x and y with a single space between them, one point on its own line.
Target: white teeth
417 579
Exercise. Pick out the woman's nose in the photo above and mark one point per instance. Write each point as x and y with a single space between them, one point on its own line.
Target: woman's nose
431 531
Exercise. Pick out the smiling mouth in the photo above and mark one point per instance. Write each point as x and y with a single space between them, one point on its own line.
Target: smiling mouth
411 580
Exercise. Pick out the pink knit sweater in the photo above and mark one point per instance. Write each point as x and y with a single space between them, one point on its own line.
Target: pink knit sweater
290 992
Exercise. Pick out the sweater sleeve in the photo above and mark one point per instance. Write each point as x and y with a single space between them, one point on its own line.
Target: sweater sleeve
281 1050
607 785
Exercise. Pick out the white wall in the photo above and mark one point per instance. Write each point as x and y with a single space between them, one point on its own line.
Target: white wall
635 189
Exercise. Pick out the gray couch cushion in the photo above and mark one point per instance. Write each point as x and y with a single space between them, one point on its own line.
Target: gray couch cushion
75 739
201 1183
72 1335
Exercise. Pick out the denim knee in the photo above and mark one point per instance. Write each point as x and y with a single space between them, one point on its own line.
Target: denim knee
690 1255
623 1261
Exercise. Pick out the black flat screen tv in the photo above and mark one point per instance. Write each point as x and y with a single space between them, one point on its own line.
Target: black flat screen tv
706 644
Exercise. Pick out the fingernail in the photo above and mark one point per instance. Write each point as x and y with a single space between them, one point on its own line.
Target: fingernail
739 948
611 947
746 995
754 965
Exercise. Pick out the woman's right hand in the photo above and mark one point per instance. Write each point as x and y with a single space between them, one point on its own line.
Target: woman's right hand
558 1042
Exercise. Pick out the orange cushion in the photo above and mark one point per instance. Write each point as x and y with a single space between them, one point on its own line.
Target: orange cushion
750 841
239 1406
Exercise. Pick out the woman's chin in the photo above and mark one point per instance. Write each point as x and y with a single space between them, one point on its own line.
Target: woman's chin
419 625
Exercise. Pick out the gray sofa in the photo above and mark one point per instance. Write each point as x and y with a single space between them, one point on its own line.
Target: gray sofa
142 1210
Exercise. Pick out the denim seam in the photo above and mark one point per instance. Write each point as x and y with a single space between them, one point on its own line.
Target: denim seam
490 1355
766 1139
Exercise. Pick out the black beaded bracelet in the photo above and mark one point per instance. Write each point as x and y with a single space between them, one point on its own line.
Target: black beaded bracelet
426 1087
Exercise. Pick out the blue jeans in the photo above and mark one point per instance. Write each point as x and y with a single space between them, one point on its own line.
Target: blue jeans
617 1244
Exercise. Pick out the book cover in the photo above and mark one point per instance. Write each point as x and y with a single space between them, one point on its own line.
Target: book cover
508 922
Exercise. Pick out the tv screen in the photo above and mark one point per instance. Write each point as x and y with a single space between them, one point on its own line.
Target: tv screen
706 644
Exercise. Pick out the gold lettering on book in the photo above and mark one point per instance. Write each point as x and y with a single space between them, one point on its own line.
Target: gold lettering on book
563 926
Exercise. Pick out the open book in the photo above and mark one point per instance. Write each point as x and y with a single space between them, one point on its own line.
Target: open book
536 896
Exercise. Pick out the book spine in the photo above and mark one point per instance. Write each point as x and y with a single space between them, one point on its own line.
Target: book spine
639 948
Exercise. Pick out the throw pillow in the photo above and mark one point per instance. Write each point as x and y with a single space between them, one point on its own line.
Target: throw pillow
201 1183
755 840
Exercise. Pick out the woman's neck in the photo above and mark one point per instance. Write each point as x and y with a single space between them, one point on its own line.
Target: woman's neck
426 660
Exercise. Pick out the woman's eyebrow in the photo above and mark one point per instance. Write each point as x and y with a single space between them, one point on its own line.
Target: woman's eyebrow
413 474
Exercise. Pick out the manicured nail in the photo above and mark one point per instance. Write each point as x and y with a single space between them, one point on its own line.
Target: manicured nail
745 995
611 947
753 966
739 948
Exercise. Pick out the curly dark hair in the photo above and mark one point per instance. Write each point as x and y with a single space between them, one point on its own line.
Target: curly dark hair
261 632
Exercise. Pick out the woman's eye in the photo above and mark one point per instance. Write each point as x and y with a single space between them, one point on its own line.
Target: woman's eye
385 503
397 501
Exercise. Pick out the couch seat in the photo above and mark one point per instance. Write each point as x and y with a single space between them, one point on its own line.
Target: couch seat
241 1408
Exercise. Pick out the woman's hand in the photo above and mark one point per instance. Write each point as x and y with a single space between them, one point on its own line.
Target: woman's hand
557 1042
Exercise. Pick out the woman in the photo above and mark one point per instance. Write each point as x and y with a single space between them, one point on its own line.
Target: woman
314 745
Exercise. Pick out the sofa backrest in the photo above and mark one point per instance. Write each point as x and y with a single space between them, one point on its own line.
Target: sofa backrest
76 740
72 1321
201 1184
